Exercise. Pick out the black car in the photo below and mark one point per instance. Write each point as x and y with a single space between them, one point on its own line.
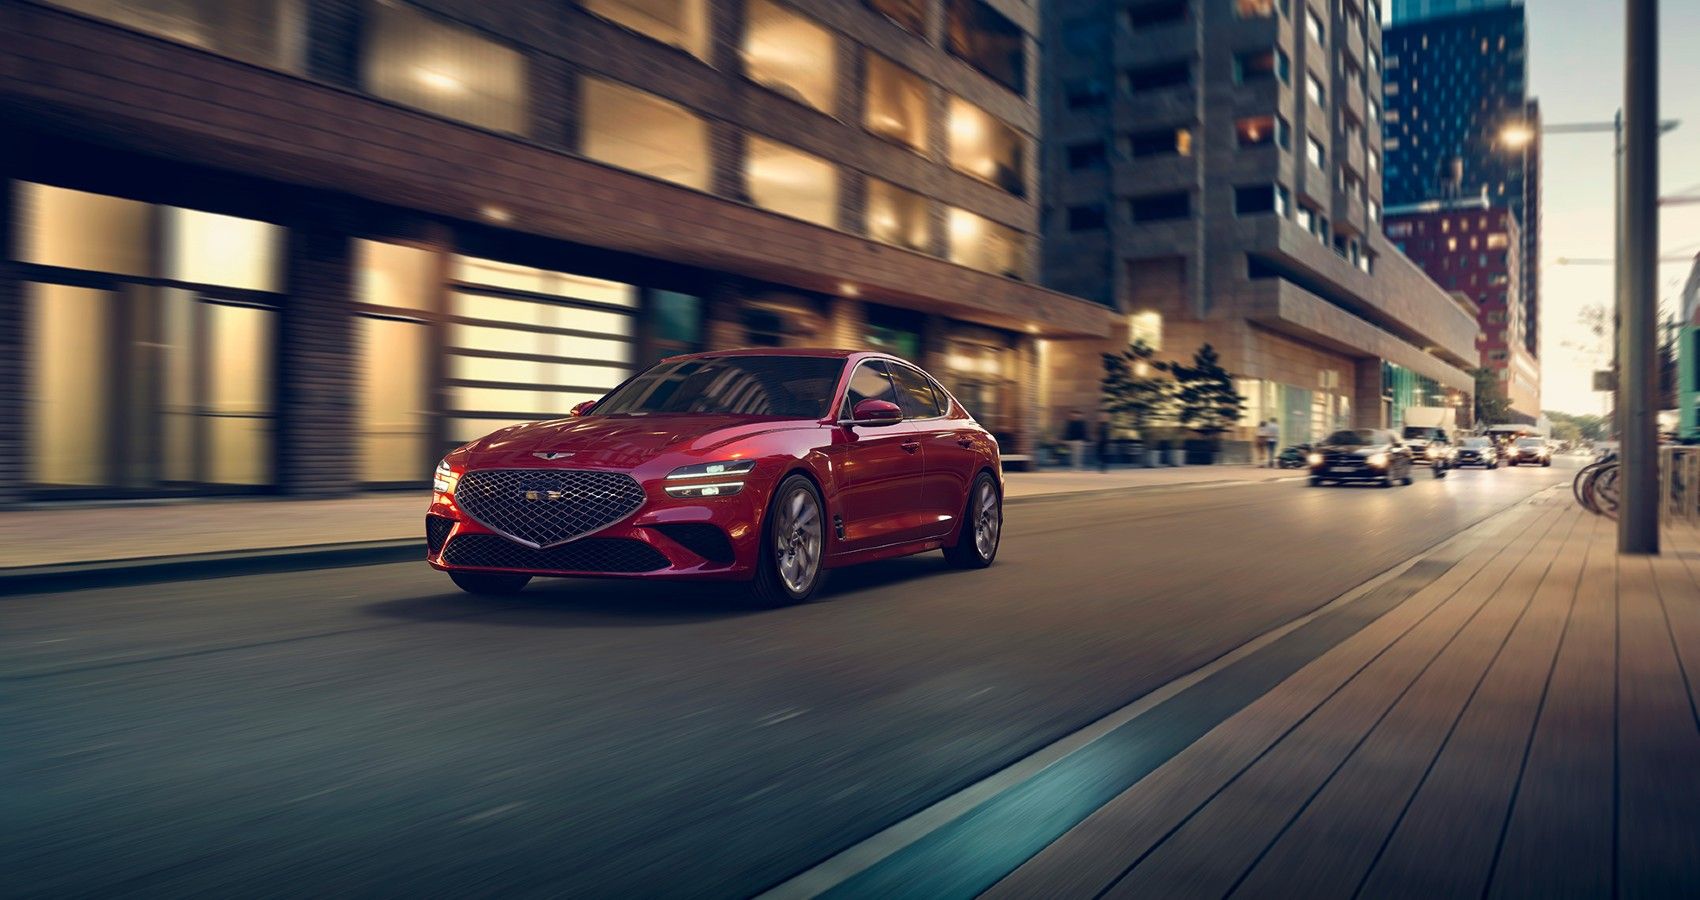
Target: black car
1430 446
1478 451
1361 454
1529 451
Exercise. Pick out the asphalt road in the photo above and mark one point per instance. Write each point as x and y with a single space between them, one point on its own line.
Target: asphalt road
373 730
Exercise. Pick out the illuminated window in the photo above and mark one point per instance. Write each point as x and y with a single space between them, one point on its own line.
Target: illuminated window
1313 24
1313 89
266 32
392 403
897 103
1498 241
79 230
625 127
986 148
1314 152
419 61
896 216
208 248
980 243
985 39
678 23
1251 9
787 52
1162 142
791 182
1255 131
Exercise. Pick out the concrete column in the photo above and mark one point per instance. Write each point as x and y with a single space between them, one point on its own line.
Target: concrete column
14 350
849 323
317 365
1366 394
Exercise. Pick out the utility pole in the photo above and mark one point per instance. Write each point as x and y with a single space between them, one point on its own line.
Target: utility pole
1638 511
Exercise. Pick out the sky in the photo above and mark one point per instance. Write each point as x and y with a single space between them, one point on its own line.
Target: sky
1576 70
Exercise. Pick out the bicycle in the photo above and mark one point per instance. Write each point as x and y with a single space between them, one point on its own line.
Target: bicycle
1596 486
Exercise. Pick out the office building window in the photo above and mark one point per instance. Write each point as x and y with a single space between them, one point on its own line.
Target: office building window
1155 14
897 103
1313 25
677 23
786 52
1374 209
1085 93
982 37
911 15
1254 199
1314 152
1258 65
1087 156
1160 207
1283 200
264 32
986 148
420 61
896 216
980 243
1313 89
634 130
1155 78
1255 131
1162 142
1086 218
791 182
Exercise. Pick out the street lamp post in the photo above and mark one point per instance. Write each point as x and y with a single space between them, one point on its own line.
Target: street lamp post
1638 387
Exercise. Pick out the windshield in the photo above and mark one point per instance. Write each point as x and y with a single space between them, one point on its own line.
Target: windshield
1361 437
792 387
1531 442
1423 434
1476 442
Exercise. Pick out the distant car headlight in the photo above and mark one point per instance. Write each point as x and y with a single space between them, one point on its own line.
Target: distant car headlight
716 479
1314 459
443 481
1433 452
1377 459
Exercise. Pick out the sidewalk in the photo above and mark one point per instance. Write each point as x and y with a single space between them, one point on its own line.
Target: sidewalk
66 535
1523 725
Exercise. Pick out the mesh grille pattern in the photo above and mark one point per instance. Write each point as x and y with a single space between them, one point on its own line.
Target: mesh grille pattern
437 531
547 506
589 555
706 541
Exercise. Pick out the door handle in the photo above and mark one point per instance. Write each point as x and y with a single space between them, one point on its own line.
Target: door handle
911 446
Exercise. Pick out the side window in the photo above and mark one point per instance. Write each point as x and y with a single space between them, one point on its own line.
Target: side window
868 383
914 393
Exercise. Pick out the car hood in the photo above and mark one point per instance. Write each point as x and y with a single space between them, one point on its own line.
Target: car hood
1359 449
621 442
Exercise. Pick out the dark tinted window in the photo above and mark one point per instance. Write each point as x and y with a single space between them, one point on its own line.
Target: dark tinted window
1361 437
796 387
1476 442
914 393
869 383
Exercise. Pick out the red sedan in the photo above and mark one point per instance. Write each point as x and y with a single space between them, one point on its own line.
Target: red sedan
770 466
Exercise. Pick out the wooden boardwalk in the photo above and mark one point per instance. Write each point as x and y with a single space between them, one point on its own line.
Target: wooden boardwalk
1524 726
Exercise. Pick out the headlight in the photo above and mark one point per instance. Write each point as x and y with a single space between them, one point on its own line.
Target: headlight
716 479
1433 452
1378 459
444 479
1314 459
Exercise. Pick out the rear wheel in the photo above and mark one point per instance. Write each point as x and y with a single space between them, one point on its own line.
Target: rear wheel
788 568
982 527
490 584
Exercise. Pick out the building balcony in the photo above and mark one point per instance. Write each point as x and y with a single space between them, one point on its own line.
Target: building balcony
1154 174
1154 108
1288 308
1153 43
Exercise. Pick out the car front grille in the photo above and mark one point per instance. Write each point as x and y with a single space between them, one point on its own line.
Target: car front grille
437 531
489 551
547 507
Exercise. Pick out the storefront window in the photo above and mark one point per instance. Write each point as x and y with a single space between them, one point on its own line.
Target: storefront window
265 32
634 130
78 230
787 52
791 182
421 61
208 248
987 40
897 103
986 148
675 322
397 289
679 23
896 216
980 243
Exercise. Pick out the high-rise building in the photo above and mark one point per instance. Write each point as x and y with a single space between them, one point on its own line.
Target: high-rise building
1474 249
304 246
1410 10
1455 84
1213 171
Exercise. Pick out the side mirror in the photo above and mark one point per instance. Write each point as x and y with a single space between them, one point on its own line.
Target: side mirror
875 413
582 409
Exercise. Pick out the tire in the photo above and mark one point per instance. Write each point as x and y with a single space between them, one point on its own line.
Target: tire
789 564
489 584
1408 479
1316 482
1546 464
981 531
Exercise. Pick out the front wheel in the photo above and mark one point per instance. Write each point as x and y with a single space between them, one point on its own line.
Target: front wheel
788 568
489 584
982 527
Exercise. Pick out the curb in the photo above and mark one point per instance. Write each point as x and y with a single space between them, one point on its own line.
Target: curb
60 577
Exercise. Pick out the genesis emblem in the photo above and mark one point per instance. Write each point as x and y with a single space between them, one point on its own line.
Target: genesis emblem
553 454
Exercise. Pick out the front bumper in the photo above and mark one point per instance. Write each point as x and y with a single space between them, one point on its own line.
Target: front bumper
666 537
1348 470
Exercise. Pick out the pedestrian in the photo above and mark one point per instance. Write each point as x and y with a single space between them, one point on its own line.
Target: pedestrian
1104 444
1268 437
1074 434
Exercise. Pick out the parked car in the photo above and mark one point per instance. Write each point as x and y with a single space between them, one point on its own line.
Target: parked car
1429 446
1293 457
1478 451
1361 454
767 466
1530 451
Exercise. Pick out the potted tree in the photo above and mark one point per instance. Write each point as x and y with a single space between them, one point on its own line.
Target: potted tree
1137 393
1209 402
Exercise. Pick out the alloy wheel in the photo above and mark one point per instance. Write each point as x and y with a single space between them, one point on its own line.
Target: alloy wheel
988 520
797 539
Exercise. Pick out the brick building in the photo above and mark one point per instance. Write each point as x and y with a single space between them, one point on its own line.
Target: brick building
1476 249
1213 173
306 245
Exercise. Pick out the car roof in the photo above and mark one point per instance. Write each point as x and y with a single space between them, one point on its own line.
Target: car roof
824 352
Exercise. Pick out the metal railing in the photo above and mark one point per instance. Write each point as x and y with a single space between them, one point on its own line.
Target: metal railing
1679 484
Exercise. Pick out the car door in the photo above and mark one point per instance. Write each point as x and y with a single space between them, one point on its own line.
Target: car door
948 448
883 470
